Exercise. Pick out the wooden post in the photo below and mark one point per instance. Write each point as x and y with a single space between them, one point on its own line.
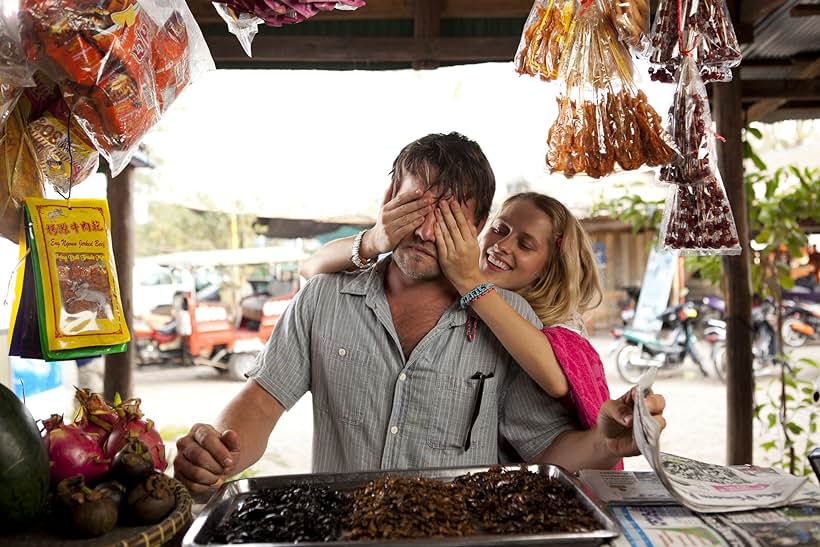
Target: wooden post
426 26
119 367
728 113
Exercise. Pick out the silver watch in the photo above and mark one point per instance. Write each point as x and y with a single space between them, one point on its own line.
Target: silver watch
355 257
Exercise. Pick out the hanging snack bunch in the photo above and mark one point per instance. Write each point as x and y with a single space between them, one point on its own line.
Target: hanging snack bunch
697 216
69 304
702 28
277 13
603 119
545 34
119 63
631 19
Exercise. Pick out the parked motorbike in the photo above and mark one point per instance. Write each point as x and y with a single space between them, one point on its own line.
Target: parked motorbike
764 341
801 322
641 351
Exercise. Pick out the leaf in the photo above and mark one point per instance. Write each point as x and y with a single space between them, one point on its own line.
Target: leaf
768 446
772 420
757 133
794 428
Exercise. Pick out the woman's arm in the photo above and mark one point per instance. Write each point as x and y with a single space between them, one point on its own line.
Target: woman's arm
458 255
397 218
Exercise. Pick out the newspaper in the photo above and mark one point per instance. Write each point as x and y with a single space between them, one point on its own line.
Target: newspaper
706 487
645 526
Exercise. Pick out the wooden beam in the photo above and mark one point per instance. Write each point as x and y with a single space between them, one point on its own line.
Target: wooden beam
781 89
754 11
736 277
341 49
763 108
426 26
805 10
119 367
396 9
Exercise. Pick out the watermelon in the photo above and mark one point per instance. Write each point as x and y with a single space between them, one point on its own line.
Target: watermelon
23 465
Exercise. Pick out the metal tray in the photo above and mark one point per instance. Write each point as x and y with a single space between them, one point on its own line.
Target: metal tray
230 495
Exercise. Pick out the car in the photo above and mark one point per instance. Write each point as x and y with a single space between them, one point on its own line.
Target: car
155 287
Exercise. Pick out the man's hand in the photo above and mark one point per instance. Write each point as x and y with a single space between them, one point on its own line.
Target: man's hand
397 218
615 422
205 458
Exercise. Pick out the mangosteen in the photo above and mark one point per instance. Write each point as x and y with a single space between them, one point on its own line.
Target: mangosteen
152 500
115 490
132 464
95 516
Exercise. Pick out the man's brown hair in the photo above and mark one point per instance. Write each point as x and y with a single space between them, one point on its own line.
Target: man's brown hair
451 163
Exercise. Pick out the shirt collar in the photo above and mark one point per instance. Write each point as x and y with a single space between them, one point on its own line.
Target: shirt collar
370 283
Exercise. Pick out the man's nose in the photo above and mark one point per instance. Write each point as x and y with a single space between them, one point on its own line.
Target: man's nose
427 230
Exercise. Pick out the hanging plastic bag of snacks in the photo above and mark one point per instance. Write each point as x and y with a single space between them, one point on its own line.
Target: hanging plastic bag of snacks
701 28
19 176
277 13
79 309
631 19
697 216
545 34
603 119
690 124
119 63
698 220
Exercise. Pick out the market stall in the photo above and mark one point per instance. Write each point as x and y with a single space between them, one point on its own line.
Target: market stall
85 84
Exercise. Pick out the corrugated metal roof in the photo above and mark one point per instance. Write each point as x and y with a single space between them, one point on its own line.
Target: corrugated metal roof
780 35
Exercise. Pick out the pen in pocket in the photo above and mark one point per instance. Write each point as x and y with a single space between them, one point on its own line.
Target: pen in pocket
479 392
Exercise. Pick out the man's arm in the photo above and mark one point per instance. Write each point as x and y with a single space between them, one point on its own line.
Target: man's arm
610 440
207 455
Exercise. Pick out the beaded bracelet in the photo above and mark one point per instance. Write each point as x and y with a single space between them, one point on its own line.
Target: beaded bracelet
477 292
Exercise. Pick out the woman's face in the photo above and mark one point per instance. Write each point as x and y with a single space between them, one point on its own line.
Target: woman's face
516 245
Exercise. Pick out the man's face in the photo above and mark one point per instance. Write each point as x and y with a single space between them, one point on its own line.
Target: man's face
416 255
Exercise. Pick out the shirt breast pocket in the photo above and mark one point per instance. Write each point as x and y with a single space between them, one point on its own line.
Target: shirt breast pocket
340 389
455 402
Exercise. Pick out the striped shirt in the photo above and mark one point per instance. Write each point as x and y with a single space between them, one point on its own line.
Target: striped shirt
374 409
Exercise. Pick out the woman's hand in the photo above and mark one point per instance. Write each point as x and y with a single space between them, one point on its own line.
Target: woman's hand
457 246
397 218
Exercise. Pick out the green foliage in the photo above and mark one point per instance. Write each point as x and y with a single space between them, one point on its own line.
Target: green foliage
788 418
173 228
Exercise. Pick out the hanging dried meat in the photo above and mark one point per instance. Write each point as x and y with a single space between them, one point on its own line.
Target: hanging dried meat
545 34
603 119
701 28
631 19
697 216
19 177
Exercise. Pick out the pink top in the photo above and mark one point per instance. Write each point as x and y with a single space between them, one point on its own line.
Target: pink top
584 371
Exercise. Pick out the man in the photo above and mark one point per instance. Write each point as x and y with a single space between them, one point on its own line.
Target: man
395 381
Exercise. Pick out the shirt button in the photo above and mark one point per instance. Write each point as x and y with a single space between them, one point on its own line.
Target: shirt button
342 352
394 430
402 377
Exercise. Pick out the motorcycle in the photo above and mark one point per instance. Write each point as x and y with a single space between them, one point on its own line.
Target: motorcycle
641 351
802 323
764 341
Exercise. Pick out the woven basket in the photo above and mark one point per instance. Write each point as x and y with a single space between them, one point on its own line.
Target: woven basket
167 532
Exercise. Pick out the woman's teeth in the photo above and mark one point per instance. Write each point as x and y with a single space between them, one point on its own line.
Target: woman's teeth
497 263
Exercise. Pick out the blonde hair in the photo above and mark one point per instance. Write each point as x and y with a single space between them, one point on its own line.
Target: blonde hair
570 284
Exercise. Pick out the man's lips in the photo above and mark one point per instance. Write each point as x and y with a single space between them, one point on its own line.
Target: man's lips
422 250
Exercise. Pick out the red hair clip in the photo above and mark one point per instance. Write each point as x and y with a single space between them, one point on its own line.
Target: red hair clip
558 241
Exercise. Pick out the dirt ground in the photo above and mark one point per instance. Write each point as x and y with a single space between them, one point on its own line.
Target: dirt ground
176 398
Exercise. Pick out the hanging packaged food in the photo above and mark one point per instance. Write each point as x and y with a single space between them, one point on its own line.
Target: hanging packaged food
276 13
19 176
698 220
545 35
119 63
700 28
631 19
79 309
603 118
690 124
